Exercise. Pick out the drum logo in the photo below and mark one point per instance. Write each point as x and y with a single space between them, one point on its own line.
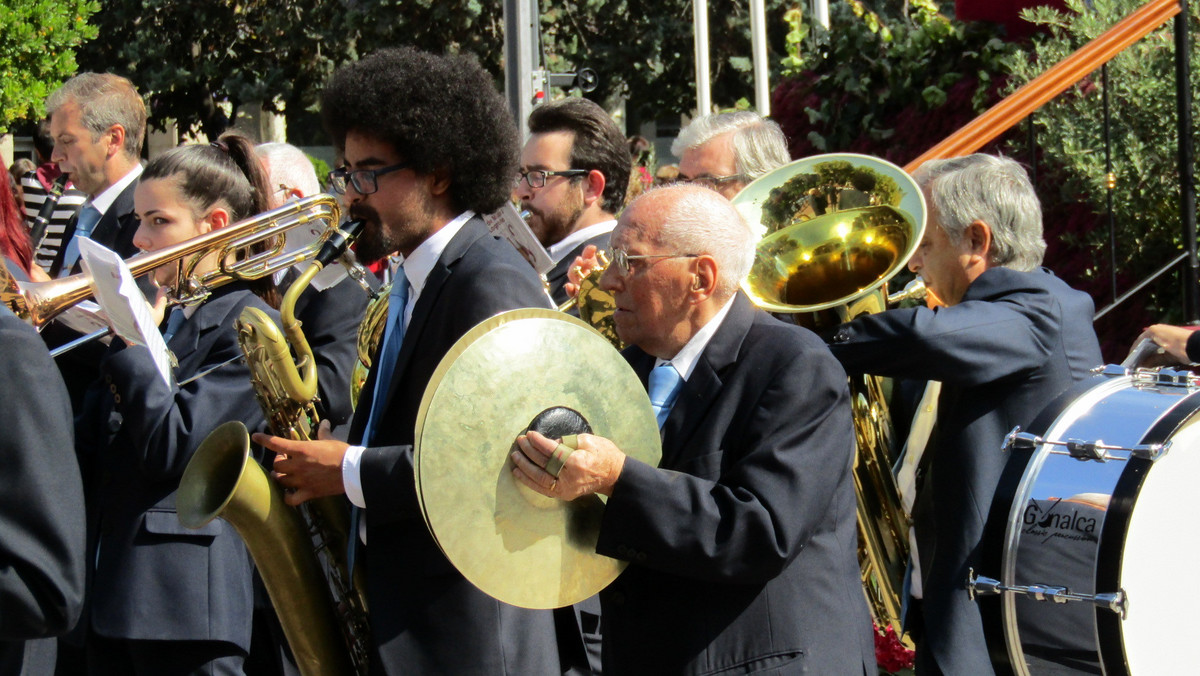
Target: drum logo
1056 518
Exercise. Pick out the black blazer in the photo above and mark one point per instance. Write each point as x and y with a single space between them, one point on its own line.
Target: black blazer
1015 341
41 504
115 230
742 543
155 579
425 617
557 277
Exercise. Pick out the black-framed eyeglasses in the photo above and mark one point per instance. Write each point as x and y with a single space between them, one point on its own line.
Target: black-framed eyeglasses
365 181
621 258
713 182
536 178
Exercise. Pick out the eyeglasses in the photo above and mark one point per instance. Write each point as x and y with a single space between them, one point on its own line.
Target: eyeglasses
365 181
621 259
711 181
537 177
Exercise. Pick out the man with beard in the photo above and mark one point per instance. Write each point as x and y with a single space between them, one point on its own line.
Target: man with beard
427 143
574 174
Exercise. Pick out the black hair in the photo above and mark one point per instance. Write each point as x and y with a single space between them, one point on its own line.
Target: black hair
439 113
225 172
599 143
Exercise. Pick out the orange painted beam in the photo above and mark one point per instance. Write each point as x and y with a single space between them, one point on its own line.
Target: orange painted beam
1018 105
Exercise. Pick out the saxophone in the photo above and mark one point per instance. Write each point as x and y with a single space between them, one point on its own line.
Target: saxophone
296 551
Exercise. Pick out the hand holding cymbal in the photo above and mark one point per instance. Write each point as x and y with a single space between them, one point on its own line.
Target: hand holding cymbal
591 465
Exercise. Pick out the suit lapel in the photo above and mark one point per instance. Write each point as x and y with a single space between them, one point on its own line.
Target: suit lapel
427 301
700 391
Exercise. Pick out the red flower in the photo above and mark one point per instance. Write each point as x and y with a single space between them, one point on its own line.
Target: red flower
890 653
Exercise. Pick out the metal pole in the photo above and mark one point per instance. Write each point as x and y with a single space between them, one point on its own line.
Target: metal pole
1110 182
520 57
1187 184
700 28
758 40
820 10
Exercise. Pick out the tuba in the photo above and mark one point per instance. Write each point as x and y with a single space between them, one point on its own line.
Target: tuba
300 554
838 228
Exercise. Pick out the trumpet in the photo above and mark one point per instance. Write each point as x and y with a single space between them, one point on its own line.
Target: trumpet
40 302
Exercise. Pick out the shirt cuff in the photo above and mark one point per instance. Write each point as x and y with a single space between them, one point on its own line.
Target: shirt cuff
352 475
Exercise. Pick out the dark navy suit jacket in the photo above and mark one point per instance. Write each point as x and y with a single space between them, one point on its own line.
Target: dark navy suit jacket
557 277
154 578
743 542
41 505
1015 341
426 618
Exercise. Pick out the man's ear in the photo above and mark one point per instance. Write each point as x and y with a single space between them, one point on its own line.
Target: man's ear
116 140
977 239
439 182
593 187
704 278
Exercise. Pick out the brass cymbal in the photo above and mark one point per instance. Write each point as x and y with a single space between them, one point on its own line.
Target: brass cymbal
515 545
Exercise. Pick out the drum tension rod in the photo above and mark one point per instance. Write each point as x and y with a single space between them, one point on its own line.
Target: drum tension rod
1085 450
1118 601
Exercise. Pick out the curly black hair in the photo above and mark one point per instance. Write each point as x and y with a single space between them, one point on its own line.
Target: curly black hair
437 112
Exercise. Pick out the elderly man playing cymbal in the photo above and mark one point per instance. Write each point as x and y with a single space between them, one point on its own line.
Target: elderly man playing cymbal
741 542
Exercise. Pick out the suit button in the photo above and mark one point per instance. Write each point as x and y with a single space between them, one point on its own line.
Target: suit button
112 388
842 335
108 379
622 550
641 556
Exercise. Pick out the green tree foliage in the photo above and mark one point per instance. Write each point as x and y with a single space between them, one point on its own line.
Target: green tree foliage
186 55
1141 90
887 83
38 39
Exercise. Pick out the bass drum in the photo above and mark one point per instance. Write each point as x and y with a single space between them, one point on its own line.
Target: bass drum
1096 531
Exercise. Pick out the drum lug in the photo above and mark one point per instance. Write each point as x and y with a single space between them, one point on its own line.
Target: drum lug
1016 440
1085 450
977 585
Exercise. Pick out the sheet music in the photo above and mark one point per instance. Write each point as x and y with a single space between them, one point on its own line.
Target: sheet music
507 223
121 299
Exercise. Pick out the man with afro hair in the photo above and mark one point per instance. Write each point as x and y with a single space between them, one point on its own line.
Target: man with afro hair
428 145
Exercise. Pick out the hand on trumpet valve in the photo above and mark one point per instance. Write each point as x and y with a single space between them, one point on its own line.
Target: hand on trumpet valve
307 469
583 265
593 467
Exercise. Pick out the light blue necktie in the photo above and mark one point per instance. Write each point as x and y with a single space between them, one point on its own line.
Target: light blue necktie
664 388
175 321
84 224
392 340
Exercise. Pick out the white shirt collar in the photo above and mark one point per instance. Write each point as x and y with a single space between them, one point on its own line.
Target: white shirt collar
564 247
685 361
419 264
105 199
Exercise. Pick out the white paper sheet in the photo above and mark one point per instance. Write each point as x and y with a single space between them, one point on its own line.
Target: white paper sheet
123 302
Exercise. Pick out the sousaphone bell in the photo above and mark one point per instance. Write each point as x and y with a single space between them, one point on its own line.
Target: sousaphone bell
507 373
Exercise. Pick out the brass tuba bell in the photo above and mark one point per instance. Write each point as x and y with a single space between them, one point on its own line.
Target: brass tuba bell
838 228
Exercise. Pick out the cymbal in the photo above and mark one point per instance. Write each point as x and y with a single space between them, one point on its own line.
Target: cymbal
517 546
